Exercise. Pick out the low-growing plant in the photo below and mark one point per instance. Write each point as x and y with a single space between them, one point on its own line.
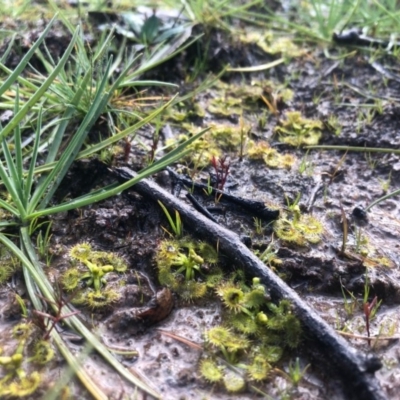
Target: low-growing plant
296 373
187 267
269 255
252 338
306 229
91 267
263 151
176 226
16 381
299 131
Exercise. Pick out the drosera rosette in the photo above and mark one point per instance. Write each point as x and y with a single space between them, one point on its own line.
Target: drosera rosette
28 351
298 131
87 276
299 229
201 151
262 150
252 337
187 267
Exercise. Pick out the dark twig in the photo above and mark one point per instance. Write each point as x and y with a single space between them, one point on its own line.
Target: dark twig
313 195
256 208
353 37
200 208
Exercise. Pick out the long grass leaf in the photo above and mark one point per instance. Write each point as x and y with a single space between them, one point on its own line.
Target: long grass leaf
9 207
22 64
354 148
9 48
50 184
42 89
11 181
109 141
55 145
168 159
76 367
32 164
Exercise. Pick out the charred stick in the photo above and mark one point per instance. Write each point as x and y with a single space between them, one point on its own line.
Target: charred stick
313 195
353 37
200 208
256 208
355 367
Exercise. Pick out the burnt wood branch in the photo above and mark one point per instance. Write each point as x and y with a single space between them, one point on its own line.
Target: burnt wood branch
199 207
256 208
355 367
353 37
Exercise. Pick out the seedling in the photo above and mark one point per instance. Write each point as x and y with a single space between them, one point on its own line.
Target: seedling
269 255
209 189
43 319
221 168
306 166
258 225
345 230
176 226
43 241
296 374
370 308
243 135
350 305
385 184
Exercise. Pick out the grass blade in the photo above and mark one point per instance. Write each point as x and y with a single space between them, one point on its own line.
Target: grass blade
40 92
22 64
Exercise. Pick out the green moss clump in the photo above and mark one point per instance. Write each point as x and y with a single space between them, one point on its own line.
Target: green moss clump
201 151
8 264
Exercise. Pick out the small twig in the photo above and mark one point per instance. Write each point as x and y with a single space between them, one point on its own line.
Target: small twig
345 230
353 37
363 337
313 195
383 71
256 208
181 339
200 208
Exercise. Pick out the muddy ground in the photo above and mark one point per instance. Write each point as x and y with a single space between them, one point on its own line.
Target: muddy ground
356 106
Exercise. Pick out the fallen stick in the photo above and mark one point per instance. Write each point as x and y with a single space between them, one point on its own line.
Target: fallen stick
355 367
